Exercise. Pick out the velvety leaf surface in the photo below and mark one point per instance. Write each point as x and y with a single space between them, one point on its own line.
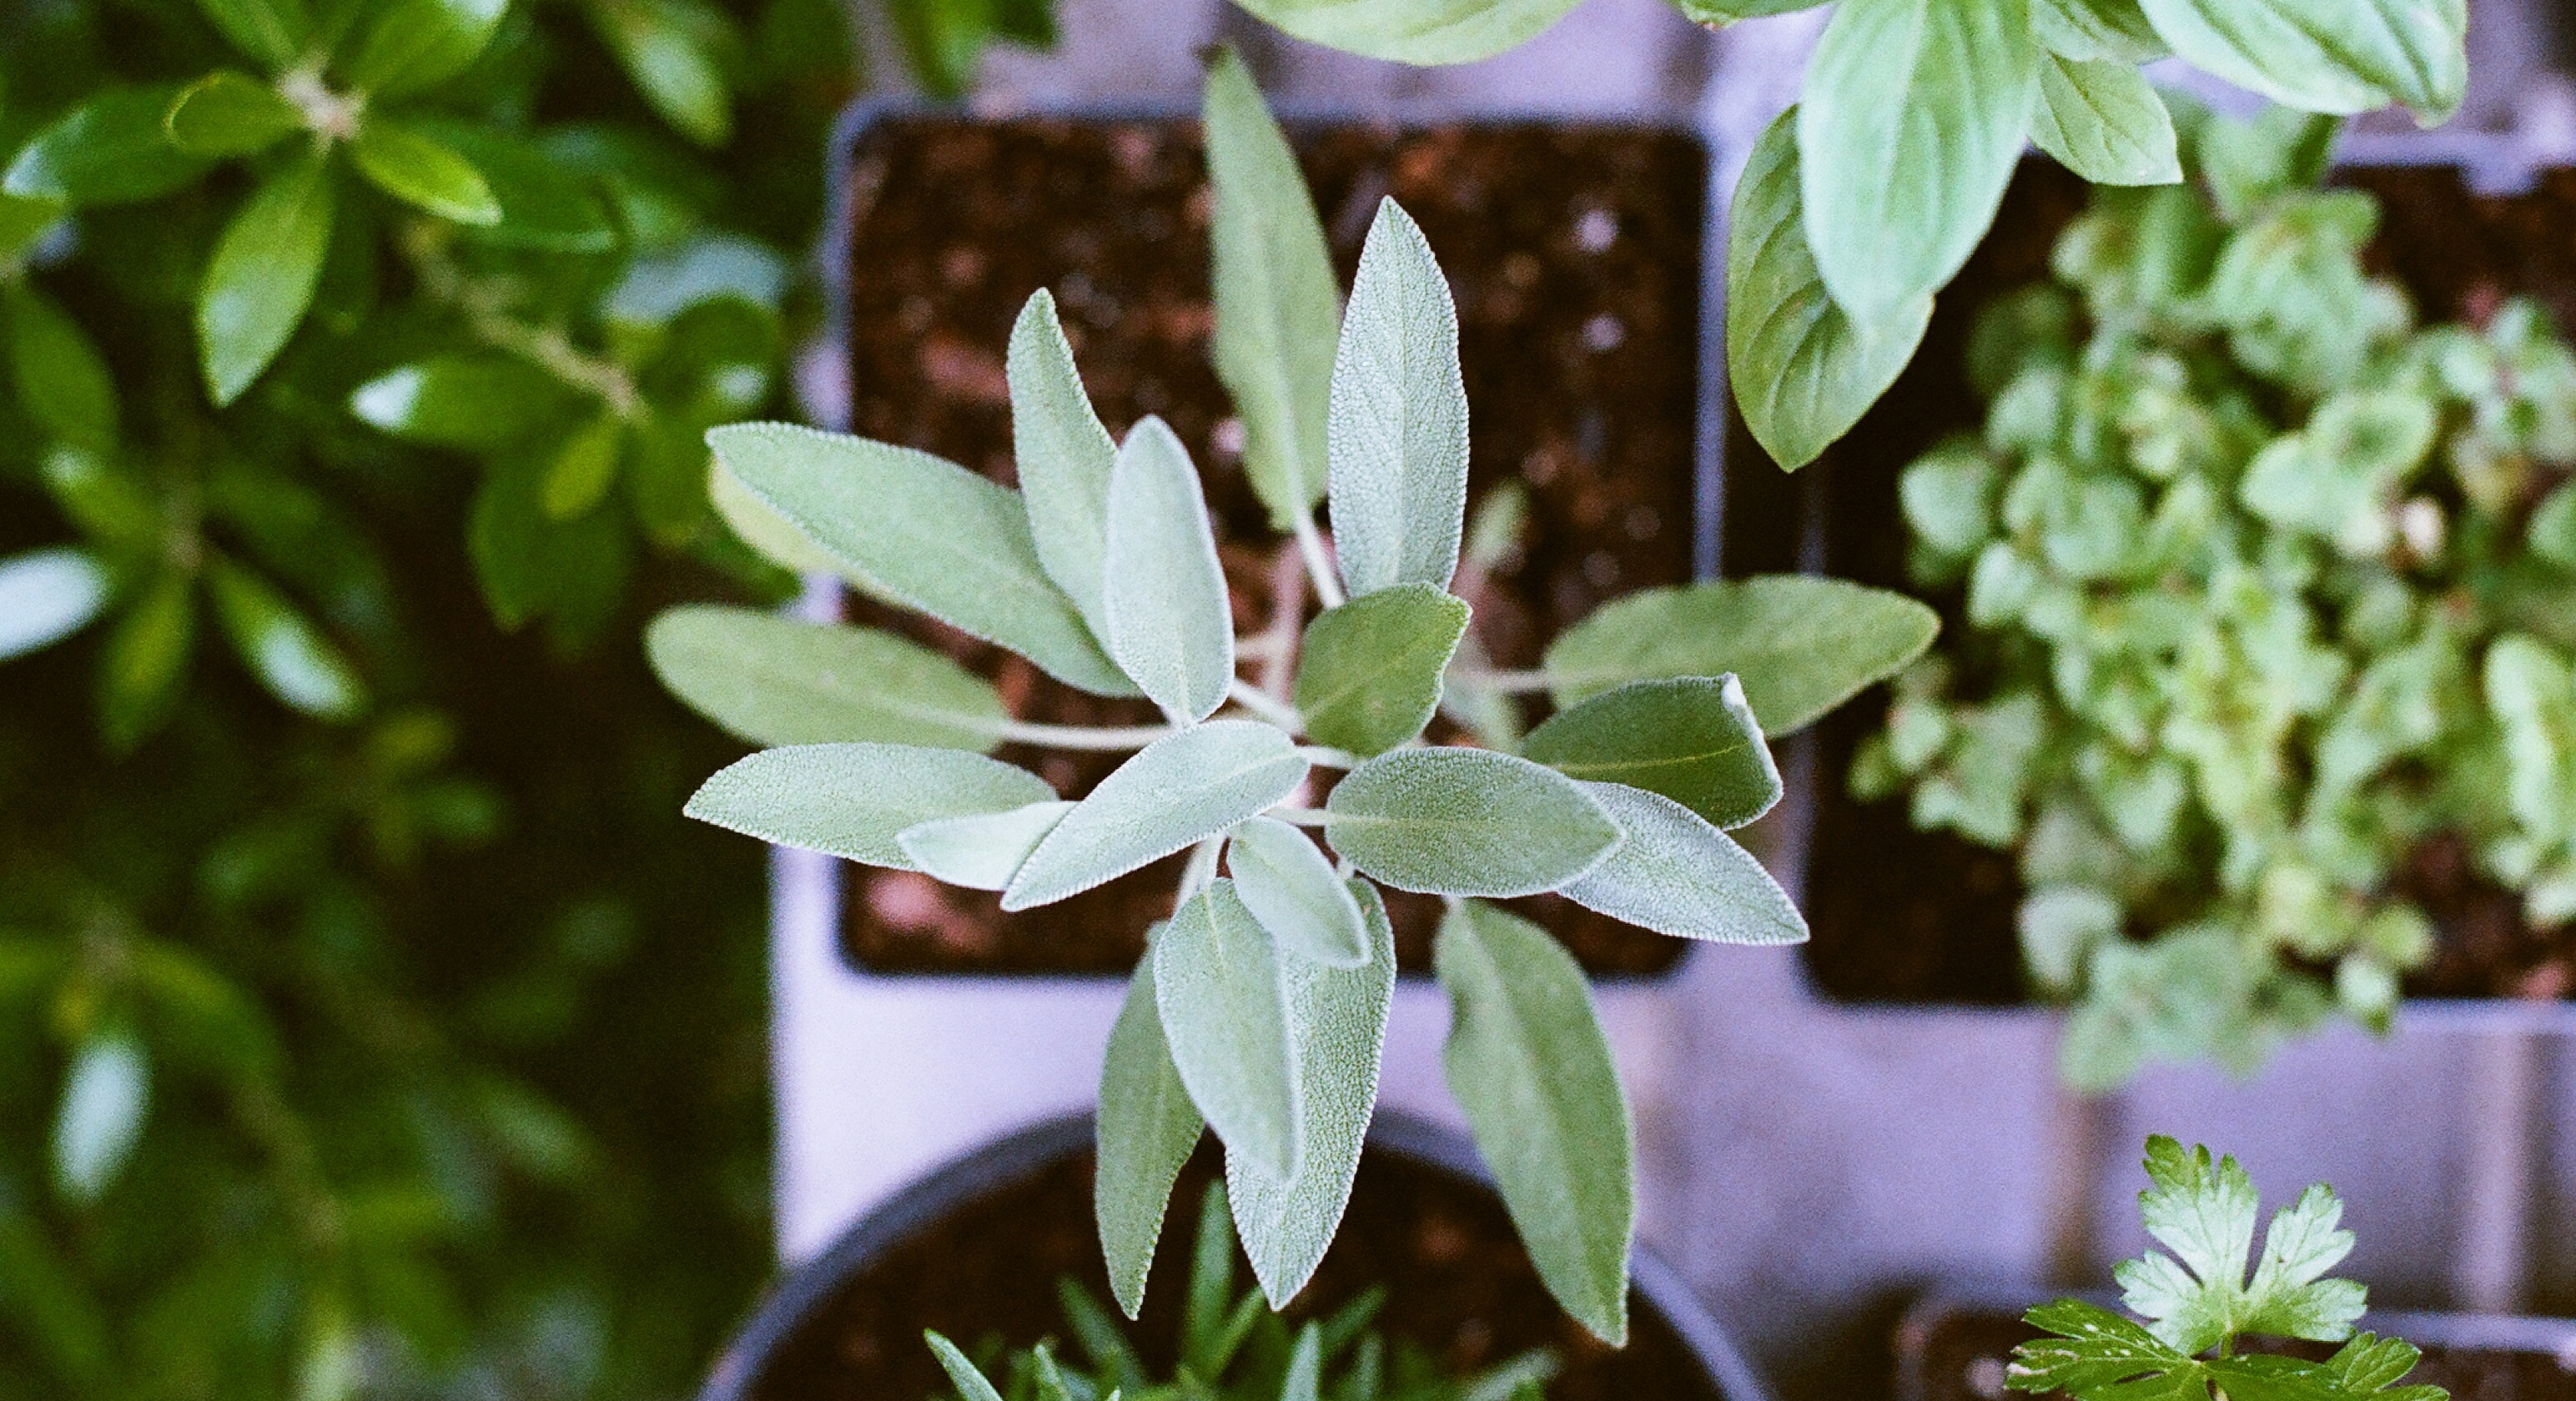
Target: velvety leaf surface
980 851
1179 790
1145 1130
1171 626
1454 821
1219 989
772 680
1692 739
852 800
1064 458
1368 674
1677 874
1397 432
1289 886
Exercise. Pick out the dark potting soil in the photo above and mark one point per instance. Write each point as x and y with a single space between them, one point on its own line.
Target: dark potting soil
1458 1285
1905 916
1574 255
1959 1355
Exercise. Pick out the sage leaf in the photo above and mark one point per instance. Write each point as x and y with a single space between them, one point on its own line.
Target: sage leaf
980 851
2335 56
1171 624
1337 1020
1396 432
1913 117
1800 645
1421 32
260 281
1454 821
100 1118
853 800
1177 791
1278 309
419 170
46 596
1224 1009
1064 458
1693 739
1368 674
971 1384
1802 369
1145 1130
1288 885
288 654
925 532
1528 1064
113 149
2103 120
769 534
771 680
230 114
415 45
62 380
1678 874
2115 31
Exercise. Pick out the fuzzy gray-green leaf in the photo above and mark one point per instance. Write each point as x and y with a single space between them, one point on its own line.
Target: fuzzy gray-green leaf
1064 458
1145 1130
1456 821
852 800
1337 1018
1288 885
1397 435
1179 790
1528 1063
2104 121
1677 874
1224 1009
1800 645
772 680
1171 626
1368 676
1692 739
970 1382
983 850
926 532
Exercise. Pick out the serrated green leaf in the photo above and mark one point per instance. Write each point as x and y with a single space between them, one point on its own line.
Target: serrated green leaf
1171 624
286 652
1416 31
112 149
415 45
2337 56
1396 431
422 171
971 1384
1369 672
926 532
2289 1295
1676 874
145 661
100 1117
1177 791
852 800
1278 309
981 851
667 51
2095 1349
46 596
62 382
1337 1019
1145 1131
1693 739
1911 120
1219 989
771 680
1288 885
1531 1069
274 32
260 282
1065 458
230 114
1454 821
1800 645
1802 369
2103 120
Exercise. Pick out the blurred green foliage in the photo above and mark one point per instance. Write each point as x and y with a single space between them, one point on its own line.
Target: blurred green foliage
2267 588
373 1028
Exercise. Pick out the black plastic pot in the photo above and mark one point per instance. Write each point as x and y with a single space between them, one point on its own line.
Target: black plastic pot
1011 1160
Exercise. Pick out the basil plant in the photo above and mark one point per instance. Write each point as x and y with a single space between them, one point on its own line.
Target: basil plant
1260 1008
2268 590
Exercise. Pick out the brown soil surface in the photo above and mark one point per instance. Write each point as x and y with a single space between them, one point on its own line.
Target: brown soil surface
1458 1283
1906 916
1960 1356
1574 254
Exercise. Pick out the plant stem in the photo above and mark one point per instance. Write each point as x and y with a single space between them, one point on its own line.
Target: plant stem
1300 817
1328 757
1100 737
1265 705
1201 870
1318 567
1507 683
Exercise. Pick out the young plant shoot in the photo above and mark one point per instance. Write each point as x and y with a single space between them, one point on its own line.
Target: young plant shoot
2196 1307
1260 1008
2271 596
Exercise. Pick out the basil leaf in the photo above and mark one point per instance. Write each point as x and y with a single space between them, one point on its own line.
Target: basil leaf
228 114
113 149
1421 32
1064 458
2104 121
1455 821
2110 31
772 680
1179 790
1171 624
853 800
260 281
1225 1015
416 168
1692 739
1677 874
1145 1130
1290 888
2335 56
1368 674
1396 435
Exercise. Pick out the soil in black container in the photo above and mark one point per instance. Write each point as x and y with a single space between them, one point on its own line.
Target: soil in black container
1905 916
1458 1285
1960 1354
1574 254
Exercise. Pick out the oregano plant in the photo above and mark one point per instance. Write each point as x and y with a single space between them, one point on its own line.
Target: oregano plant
1862 201
1260 1008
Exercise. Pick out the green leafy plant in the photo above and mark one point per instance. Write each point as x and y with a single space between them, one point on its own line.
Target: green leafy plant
2266 589
1859 204
1232 1349
2198 1304
1261 1007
